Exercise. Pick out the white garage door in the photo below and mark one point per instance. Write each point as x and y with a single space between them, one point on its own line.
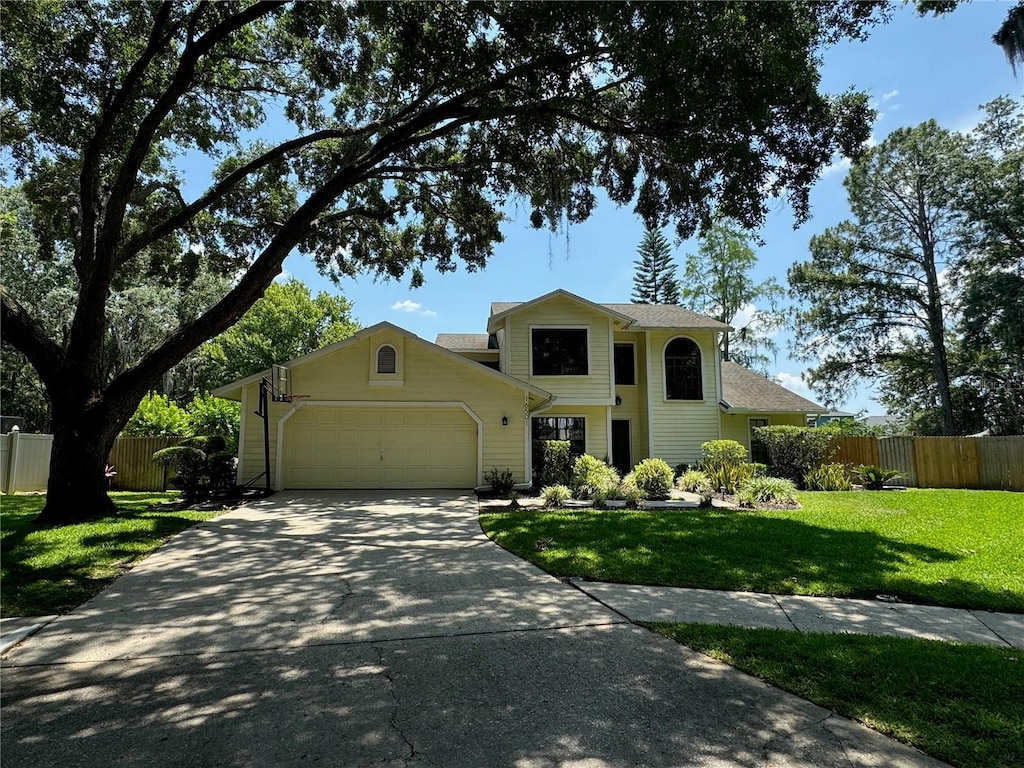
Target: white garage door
397 447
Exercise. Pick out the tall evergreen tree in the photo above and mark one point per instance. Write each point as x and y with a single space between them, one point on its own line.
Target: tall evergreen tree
655 279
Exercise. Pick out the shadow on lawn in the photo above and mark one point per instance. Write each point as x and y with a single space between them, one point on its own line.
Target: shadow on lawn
87 564
740 551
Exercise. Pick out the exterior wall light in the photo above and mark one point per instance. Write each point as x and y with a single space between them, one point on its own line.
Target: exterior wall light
504 421
618 400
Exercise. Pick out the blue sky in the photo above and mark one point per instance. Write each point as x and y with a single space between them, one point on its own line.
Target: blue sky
914 68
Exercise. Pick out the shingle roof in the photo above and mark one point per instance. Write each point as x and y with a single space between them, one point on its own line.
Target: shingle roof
746 390
462 340
644 315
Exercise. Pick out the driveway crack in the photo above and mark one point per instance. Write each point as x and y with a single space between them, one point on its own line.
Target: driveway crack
393 719
775 599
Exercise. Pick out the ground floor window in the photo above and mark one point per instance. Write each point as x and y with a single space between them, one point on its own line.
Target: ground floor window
571 428
758 450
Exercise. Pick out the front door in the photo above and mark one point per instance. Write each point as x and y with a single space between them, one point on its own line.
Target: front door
621 459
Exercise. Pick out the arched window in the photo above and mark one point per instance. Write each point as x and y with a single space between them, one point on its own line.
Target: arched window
682 371
386 359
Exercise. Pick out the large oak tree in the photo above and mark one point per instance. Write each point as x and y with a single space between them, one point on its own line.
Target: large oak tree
376 137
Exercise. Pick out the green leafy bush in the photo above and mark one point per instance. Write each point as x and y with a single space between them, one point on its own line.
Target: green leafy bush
211 415
555 462
724 462
653 478
694 481
555 495
794 451
874 478
630 493
201 465
190 465
757 469
828 477
590 476
767 490
158 416
500 480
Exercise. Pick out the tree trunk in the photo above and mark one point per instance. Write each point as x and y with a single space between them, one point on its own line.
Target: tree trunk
77 487
84 430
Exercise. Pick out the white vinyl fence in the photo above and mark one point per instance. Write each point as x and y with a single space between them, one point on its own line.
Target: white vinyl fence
24 462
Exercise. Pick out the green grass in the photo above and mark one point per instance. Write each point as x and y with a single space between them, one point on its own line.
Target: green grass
960 703
943 547
55 569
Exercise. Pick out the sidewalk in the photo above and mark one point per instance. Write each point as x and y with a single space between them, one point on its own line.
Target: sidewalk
808 614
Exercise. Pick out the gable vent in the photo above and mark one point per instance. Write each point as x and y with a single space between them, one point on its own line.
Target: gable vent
386 359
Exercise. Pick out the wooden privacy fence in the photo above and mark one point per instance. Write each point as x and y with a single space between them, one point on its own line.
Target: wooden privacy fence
995 463
132 459
25 463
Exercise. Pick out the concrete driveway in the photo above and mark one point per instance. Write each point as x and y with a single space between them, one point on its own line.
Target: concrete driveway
368 629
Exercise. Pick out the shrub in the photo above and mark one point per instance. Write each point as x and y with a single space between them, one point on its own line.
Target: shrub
725 464
555 495
158 416
500 480
190 465
653 478
767 490
694 481
209 415
630 494
794 451
682 469
201 464
555 462
827 477
874 478
591 476
757 469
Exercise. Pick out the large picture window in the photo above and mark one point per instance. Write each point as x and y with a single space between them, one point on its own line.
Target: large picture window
571 428
682 371
559 351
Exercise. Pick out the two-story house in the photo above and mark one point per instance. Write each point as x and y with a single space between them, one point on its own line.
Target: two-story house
387 409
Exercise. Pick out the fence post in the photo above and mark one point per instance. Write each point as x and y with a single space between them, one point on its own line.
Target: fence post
11 475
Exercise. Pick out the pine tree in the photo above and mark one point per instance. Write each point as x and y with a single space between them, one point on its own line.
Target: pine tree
655 279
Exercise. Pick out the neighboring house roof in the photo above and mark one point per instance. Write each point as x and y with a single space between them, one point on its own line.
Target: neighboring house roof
233 391
501 309
883 420
744 390
478 342
640 315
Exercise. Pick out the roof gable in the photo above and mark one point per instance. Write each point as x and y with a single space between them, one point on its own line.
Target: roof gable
638 315
502 309
229 391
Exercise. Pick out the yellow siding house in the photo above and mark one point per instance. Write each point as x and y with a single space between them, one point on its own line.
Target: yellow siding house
386 409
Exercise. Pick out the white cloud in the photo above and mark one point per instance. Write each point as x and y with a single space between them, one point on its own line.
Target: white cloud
842 166
284 277
414 308
793 383
890 95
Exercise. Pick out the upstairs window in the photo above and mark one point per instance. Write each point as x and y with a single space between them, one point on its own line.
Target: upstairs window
683 379
559 352
625 367
387 359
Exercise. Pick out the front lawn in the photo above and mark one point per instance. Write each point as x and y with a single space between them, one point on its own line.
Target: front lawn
960 703
55 569
944 547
